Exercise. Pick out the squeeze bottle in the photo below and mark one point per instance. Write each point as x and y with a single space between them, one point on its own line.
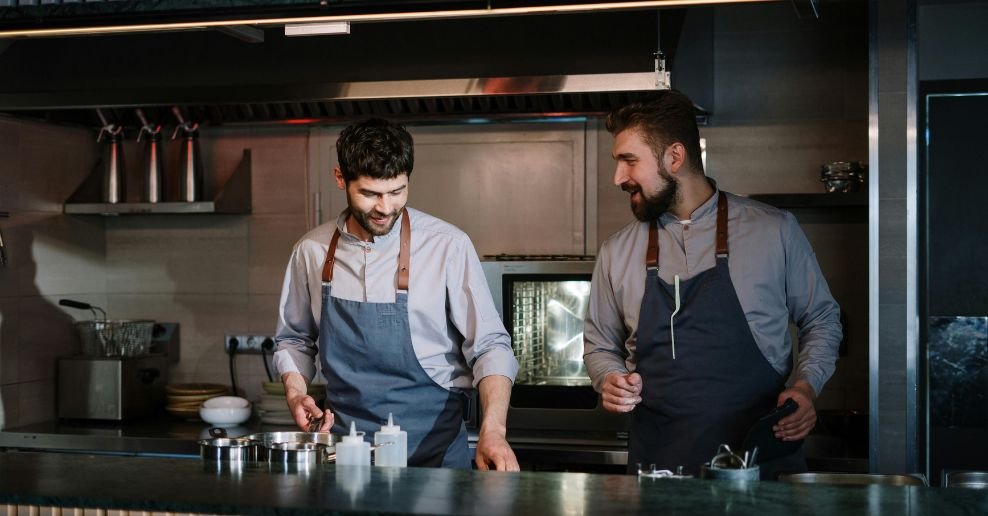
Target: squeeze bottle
395 449
352 450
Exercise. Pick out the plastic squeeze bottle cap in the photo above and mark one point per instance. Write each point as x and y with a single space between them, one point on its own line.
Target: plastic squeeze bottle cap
390 428
353 438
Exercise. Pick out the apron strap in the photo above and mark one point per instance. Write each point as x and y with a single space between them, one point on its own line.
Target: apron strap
403 254
721 225
403 258
652 251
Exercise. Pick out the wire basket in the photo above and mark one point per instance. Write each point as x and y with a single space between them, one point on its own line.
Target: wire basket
115 338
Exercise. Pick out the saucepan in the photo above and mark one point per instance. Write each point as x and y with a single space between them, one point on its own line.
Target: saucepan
227 449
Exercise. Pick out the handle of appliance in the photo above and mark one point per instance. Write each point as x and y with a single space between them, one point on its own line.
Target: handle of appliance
148 375
217 432
79 305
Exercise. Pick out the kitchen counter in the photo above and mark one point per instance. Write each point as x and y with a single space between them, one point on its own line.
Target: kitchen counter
35 479
168 436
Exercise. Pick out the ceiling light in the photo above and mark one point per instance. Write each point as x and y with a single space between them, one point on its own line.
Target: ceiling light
317 29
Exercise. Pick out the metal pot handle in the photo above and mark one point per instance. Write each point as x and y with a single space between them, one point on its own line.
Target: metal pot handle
217 432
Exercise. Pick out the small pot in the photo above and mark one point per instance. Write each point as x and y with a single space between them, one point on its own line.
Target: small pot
714 473
224 449
298 455
267 439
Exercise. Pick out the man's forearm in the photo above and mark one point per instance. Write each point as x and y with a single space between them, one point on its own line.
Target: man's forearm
294 384
495 394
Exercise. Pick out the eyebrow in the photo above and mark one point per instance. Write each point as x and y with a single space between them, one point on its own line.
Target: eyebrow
626 155
367 191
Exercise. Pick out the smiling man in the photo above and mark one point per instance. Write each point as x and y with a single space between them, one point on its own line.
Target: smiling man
400 307
687 325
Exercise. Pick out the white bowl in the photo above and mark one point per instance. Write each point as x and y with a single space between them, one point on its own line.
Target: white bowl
226 402
224 416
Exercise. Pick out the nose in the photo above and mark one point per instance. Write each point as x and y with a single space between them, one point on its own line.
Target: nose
384 204
620 174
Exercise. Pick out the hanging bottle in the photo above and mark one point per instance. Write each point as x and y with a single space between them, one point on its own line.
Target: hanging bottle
113 173
153 160
190 163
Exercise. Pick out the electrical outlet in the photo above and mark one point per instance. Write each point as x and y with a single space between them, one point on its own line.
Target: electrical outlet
248 343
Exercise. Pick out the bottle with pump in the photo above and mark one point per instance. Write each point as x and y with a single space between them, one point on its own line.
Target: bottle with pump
394 451
352 450
114 175
154 169
190 164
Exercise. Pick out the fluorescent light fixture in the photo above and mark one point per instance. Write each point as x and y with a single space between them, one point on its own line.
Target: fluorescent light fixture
374 17
317 29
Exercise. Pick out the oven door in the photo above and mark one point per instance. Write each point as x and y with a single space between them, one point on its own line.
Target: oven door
543 309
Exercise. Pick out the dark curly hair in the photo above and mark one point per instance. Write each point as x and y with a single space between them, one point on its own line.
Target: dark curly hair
663 118
375 148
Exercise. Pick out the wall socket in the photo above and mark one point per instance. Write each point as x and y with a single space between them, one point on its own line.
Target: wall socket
247 343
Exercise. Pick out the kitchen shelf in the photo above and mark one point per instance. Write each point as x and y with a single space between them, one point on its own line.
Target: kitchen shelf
814 200
233 197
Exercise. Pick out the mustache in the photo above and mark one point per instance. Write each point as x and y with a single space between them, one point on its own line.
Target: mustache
631 188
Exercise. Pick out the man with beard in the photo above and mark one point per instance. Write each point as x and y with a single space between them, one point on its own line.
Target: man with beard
400 307
687 325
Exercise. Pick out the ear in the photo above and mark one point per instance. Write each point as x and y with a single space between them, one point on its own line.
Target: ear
674 157
338 174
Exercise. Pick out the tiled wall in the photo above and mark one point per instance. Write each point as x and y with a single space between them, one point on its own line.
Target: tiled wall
216 274
50 257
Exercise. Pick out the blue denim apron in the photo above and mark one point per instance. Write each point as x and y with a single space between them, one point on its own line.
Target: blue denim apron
371 370
719 382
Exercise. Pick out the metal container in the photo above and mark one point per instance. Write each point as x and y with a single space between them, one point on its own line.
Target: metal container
226 449
712 473
267 440
969 479
300 454
154 168
858 479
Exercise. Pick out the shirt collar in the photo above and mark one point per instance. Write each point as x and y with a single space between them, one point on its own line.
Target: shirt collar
707 209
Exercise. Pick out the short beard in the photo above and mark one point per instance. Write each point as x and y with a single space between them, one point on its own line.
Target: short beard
363 218
654 205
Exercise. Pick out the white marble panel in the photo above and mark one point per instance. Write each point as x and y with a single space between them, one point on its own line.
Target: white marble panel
193 254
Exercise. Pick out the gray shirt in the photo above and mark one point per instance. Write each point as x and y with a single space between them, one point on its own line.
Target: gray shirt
773 269
456 332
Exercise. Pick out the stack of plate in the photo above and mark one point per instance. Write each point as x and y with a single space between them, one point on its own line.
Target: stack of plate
272 407
183 399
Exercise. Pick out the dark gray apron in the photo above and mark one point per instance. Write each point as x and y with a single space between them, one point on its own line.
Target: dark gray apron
371 370
718 384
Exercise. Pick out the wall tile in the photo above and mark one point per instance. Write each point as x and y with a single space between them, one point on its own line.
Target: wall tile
44 333
194 254
37 402
9 348
263 313
9 406
269 248
67 254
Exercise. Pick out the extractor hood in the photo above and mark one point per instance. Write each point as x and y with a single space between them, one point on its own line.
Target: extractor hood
529 66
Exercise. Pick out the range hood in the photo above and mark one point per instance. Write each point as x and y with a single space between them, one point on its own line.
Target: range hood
531 66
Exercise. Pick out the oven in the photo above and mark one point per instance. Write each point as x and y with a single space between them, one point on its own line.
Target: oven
542 301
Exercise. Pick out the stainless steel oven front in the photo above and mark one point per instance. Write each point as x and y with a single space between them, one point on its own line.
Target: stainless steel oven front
543 304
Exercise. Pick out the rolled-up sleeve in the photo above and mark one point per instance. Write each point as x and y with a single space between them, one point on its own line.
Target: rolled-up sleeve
604 333
812 308
298 329
486 344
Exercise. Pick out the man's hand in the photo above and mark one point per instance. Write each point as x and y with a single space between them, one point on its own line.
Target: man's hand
621 392
492 444
797 425
302 406
493 450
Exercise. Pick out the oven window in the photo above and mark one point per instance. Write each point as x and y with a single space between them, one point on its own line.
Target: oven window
546 318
